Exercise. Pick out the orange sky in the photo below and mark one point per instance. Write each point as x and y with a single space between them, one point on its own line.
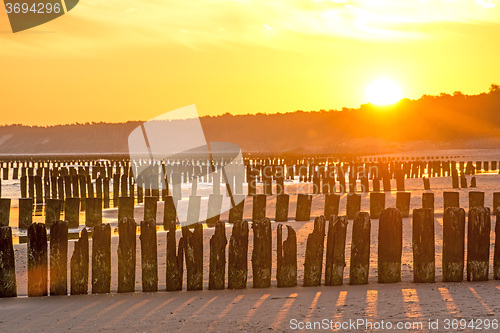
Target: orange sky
119 60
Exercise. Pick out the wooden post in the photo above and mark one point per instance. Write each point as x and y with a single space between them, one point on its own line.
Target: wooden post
451 199
473 182
149 257
403 203
194 206
478 244
72 212
217 273
259 207
335 251
400 181
126 255
4 212
303 212
214 209
454 178
175 257
423 246
262 253
476 199
390 245
353 205
24 187
101 259
377 204
496 256
193 250
236 213
376 184
286 271
237 258
169 213
37 260
496 202
428 200
313 263
427 184
360 249
105 187
282 202
8 287
453 244
93 213
80 265
150 208
331 205
386 180
125 208
463 181
52 211
25 212
59 258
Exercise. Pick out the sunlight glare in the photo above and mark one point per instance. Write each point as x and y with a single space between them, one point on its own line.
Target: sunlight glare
383 92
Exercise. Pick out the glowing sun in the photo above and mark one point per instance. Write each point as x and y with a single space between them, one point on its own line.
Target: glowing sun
383 92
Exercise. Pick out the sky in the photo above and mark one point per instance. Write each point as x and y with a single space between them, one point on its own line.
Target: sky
121 60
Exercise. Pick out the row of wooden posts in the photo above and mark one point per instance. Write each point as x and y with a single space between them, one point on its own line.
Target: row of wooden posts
45 275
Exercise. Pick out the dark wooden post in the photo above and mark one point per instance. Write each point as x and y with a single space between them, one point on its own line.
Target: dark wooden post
376 184
262 253
403 203
428 200
454 178
72 212
4 212
150 208
175 257
353 205
8 287
80 265
238 256
286 271
52 211
427 183
453 244
386 180
282 202
390 245
496 256
217 273
424 270
451 199
303 212
335 251
24 186
149 257
360 249
476 199
377 204
101 259
496 202
25 212
214 209
236 213
105 187
478 244
259 207
125 208
126 255
331 205
463 181
400 181
37 260
169 213
193 250
473 182
59 258
313 263
93 212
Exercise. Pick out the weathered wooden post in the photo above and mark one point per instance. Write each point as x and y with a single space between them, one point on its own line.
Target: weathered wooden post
217 270
52 211
169 213
259 207
59 258
8 286
125 208
427 183
150 208
83 191
377 204
428 200
453 244
331 205
390 245
24 186
175 260
335 251
496 255
72 212
476 199
262 253
101 259
25 212
473 182
400 181
386 180
496 202
194 207
149 257
313 263
353 205
105 194
236 212
303 212
424 270
93 212
463 181
376 184
454 178
126 255
4 212
451 199
237 258
37 260
360 249
282 202
403 203
214 209
286 271
80 265
478 244
193 250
